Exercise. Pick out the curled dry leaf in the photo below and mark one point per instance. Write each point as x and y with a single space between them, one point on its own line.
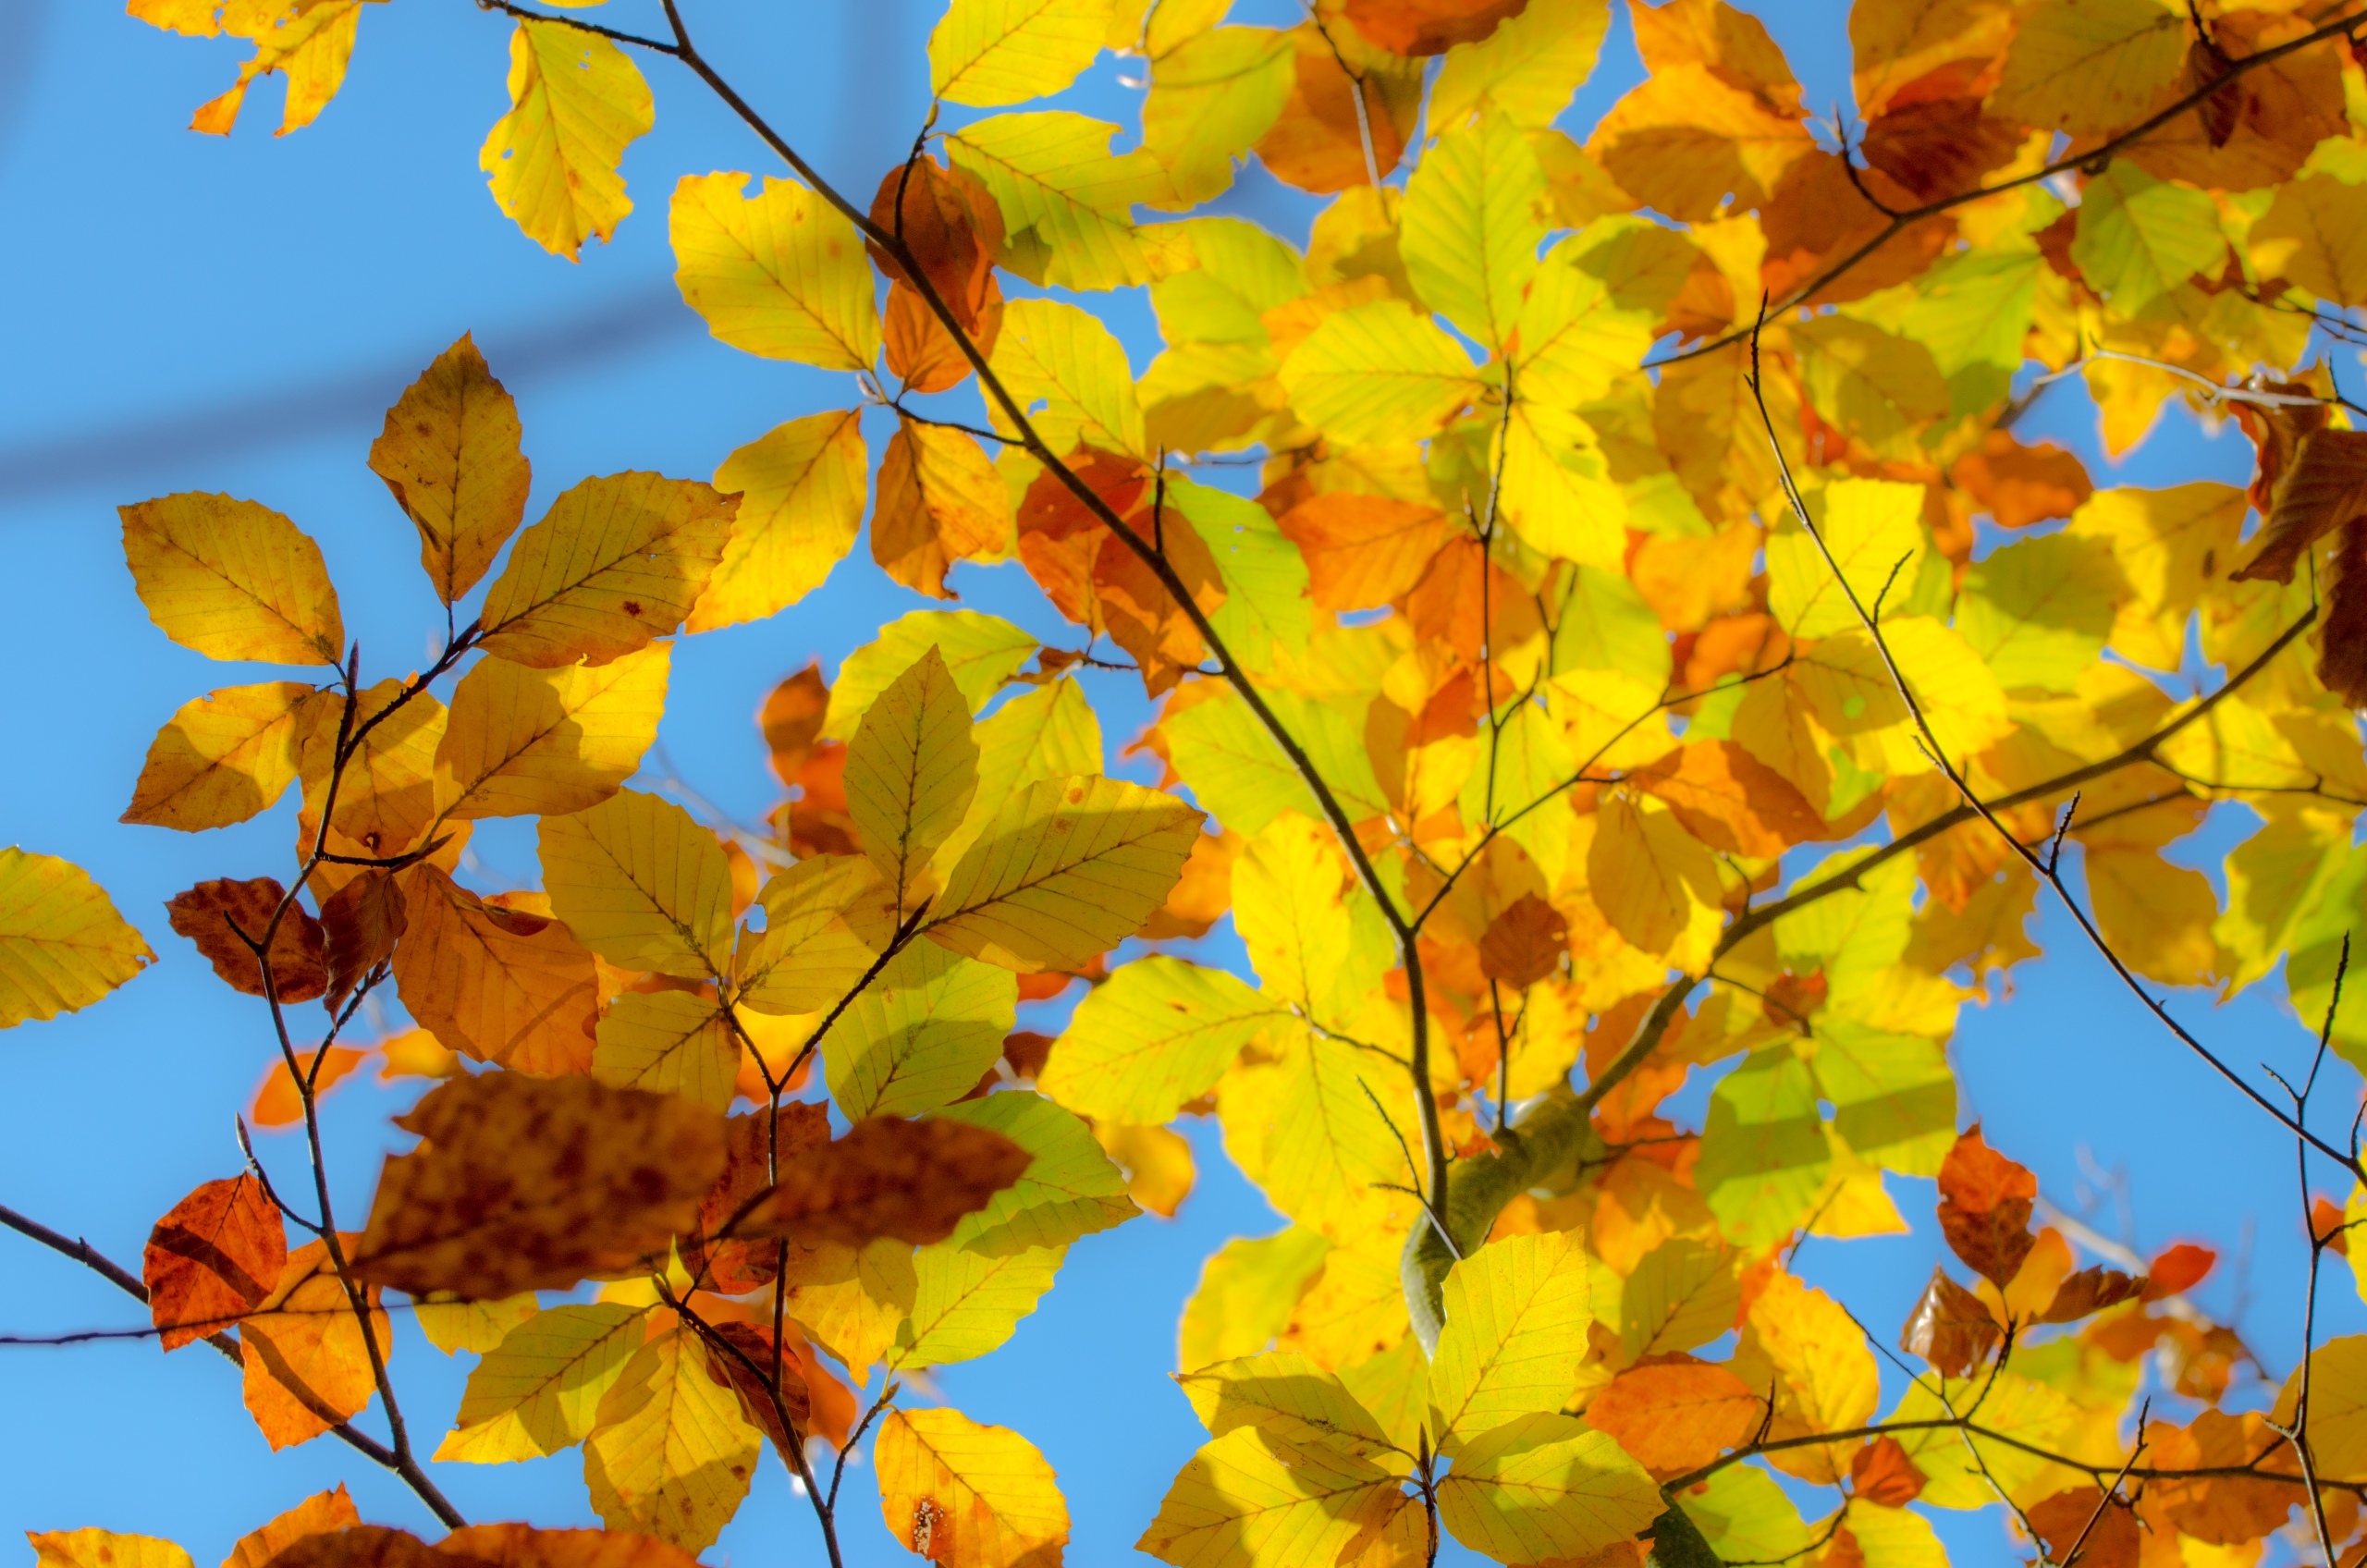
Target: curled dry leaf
213 1257
526 1183
222 915
1950 1328
2091 1290
913 1180
360 926
1985 1207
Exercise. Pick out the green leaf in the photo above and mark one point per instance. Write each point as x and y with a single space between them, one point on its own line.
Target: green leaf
1287 1395
1544 1486
1047 731
921 1035
969 1303
1375 373
912 769
1069 1190
1470 230
2139 236
1528 68
2038 611
1245 780
981 652
1160 1032
1054 355
1895 1100
806 957
1764 1151
1225 276
1681 1296
1745 1517
1516 1314
989 53
1265 576
538 1392
669 1042
1253 1496
642 884
1209 100
1067 204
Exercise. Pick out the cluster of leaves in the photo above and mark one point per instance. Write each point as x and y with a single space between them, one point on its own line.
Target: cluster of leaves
1523 694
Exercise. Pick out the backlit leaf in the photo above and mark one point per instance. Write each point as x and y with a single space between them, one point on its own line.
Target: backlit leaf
1376 372
920 1035
801 488
223 758
1543 1486
500 985
669 1042
537 1391
1250 1495
969 1303
1470 229
1159 1032
213 1257
1515 1332
912 769
307 1364
1067 202
642 884
989 53
317 1514
62 944
523 742
981 652
913 1181
232 579
614 563
1070 1188
957 1492
669 1455
576 100
104 1548
779 273
449 454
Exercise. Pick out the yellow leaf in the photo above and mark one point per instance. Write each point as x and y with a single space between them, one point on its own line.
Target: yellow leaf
479 1326
1044 732
104 1548
1874 385
1210 99
1356 1309
806 957
1656 883
1874 530
232 579
2314 234
449 453
1245 1293
1330 1144
538 1390
920 1035
1253 1496
941 500
642 885
1687 138
2038 612
576 100
989 53
1067 204
911 770
1680 1296
222 758
1288 1396
615 562
669 1455
1377 373
1544 1487
1964 1470
669 1042
62 944
1896 1538
1575 343
1556 488
387 799
1156 1162
1802 1342
2169 543
968 1304
1469 230
857 1319
981 651
1528 68
2338 1425
1056 355
2092 65
306 41
1070 868
496 984
523 742
2157 916
961 1494
1294 921
801 489
1159 1033
780 273
1516 1314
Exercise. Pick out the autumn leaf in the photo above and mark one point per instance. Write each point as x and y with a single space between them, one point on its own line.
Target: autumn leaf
524 1184
537 1391
213 1257
449 453
669 1455
801 488
910 1180
940 501
576 102
500 985
320 1513
520 741
1950 1328
642 885
223 758
955 1491
951 227
912 769
989 53
62 944
1364 550
227 920
1676 1417
1985 1208
232 579
104 1548
780 273
614 563
308 1362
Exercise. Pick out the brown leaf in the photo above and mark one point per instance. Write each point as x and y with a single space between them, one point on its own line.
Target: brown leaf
2019 485
524 1184
735 1268
2105 1533
307 1364
1429 26
1678 1416
755 1343
2342 638
1881 1472
363 1546
1937 147
910 1180
2205 65
1985 1207
360 926
216 914
2310 482
792 720
500 985
213 1258
1364 550
921 352
1950 1328
1525 943
954 230
317 1514
522 1546
2091 1290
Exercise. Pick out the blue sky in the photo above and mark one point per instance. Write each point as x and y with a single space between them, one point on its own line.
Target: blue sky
183 313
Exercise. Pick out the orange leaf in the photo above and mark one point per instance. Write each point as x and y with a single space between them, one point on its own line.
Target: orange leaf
1881 1472
792 720
1429 26
524 1184
317 1514
217 914
278 1102
2326 1225
364 1546
951 227
2178 1269
941 500
360 926
2019 485
2222 1510
1364 550
729 1267
1730 800
921 352
2342 640
1316 143
1939 146
213 1258
910 1180
745 1364
307 1364
522 1546
1199 899
1985 1207
1678 1416
2091 1290
500 985
2104 1531
1525 943
1950 1328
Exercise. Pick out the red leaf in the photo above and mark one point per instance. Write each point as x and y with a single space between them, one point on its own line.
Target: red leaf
2178 1269
212 1259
